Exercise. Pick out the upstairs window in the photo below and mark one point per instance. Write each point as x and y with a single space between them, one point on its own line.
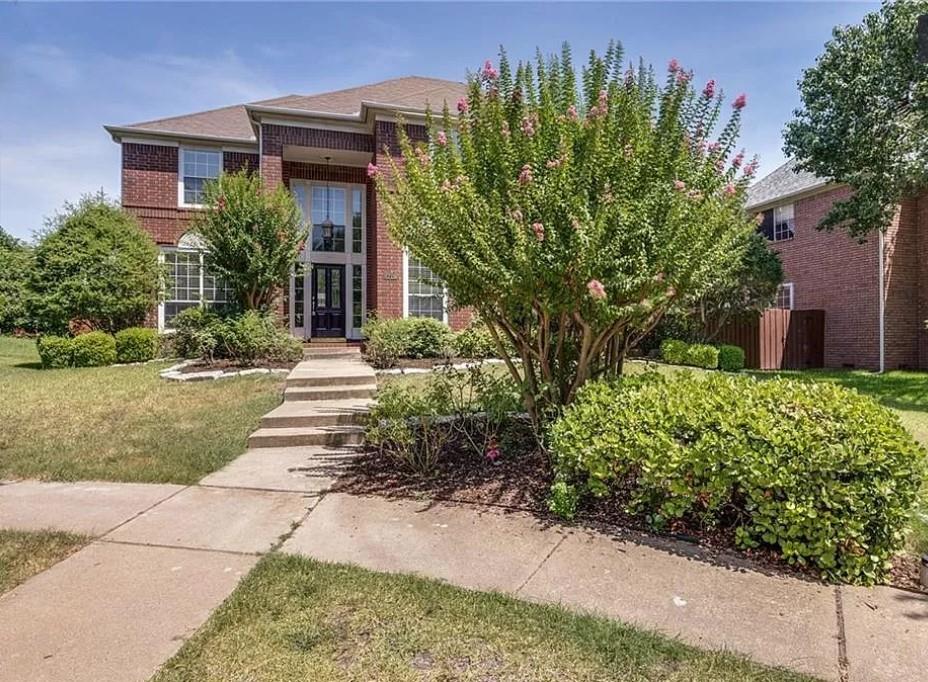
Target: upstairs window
197 167
785 296
783 223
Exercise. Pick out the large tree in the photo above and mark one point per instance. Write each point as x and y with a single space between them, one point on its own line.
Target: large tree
864 116
15 267
570 211
253 236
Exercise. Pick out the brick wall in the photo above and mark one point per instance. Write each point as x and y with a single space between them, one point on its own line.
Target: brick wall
834 273
921 246
901 286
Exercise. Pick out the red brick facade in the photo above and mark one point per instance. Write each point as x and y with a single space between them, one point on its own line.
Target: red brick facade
150 191
832 272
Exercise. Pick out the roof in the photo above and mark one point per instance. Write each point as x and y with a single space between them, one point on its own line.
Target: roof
415 93
783 182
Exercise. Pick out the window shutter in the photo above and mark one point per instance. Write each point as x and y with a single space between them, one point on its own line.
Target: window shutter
766 227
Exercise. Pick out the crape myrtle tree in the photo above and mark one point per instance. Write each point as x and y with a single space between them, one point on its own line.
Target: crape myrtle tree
253 236
570 211
864 117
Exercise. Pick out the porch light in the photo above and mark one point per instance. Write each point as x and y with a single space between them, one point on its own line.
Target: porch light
328 227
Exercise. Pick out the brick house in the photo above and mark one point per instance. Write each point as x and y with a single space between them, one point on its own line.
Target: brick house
844 277
318 146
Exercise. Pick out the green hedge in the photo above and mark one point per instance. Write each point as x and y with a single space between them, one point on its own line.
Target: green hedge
474 341
731 358
136 344
94 349
692 354
55 351
387 340
245 338
821 474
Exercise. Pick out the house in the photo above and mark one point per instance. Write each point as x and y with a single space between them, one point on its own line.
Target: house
831 271
319 147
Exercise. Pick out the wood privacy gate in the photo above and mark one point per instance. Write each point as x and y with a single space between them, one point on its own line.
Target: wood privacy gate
779 339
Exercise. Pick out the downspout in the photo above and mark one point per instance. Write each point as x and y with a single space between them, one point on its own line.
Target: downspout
882 306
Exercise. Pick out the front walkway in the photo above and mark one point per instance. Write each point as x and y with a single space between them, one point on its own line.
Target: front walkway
168 555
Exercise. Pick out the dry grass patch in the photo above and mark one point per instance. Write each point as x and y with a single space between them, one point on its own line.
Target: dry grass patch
23 553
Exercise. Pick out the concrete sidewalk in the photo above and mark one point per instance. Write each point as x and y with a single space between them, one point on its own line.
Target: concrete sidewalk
865 635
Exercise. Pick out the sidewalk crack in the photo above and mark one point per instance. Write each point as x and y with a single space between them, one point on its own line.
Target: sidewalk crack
542 563
843 663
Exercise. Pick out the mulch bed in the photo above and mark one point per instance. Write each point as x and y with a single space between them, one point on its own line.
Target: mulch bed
522 482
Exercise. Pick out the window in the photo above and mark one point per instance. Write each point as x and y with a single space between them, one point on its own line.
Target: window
190 283
328 202
197 167
425 294
783 223
356 228
357 312
785 296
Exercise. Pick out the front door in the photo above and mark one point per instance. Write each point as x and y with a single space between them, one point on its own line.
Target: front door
328 318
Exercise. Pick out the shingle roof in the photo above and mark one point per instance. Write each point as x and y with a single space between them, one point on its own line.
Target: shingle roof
784 181
413 92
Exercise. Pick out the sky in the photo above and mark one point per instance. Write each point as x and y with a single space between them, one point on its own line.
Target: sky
68 69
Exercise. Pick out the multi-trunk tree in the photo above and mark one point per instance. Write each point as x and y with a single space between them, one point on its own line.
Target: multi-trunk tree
571 211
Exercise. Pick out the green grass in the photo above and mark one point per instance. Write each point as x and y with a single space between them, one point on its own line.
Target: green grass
296 619
120 423
23 553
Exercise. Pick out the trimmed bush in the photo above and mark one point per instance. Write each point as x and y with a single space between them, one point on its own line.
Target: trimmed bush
136 344
55 351
413 337
819 473
474 341
674 351
702 355
245 338
94 349
731 358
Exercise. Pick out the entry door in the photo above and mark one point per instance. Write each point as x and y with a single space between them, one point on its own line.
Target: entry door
328 316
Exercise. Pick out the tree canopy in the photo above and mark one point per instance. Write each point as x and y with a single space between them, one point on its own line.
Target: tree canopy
571 210
864 117
15 267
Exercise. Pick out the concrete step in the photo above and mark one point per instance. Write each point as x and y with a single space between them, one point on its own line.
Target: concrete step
303 413
330 353
306 436
329 392
321 379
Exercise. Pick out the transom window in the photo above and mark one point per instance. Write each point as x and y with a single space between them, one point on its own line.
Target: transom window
328 202
783 223
198 167
425 293
190 282
785 296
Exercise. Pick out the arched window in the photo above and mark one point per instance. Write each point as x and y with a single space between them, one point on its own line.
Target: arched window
190 282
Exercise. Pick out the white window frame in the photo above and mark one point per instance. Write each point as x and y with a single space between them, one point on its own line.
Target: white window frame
786 286
790 223
444 294
190 247
180 172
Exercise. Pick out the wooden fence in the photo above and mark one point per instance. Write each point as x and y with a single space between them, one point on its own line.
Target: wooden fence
779 339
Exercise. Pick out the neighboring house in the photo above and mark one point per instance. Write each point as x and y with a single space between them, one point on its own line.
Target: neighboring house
318 146
830 271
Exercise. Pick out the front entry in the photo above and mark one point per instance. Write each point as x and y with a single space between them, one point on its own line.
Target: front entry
328 296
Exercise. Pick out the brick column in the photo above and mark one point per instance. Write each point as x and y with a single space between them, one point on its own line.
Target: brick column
272 150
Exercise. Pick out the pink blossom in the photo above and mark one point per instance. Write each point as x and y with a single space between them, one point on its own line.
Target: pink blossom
493 451
539 231
713 147
516 215
751 168
372 170
528 127
553 163
442 138
740 102
463 106
575 224
572 113
489 72
719 165
673 65
729 190
423 156
596 289
679 185
683 77
592 113
709 91
738 160
603 100
525 177
446 186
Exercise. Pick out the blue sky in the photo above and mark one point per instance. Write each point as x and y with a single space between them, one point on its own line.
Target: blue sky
65 70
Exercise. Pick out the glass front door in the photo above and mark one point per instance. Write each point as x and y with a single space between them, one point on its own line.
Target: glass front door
328 300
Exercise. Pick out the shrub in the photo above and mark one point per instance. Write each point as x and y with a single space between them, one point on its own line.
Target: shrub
191 338
818 472
94 264
731 358
244 338
563 500
136 344
415 337
702 355
674 351
55 351
94 349
474 341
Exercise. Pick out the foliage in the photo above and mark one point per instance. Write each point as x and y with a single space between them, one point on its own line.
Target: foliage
15 269
387 340
136 344
253 236
415 427
474 341
676 324
55 351
563 500
678 352
93 349
864 117
245 338
572 211
731 358
95 265
820 473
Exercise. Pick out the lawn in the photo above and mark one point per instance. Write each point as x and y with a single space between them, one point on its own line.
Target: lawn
23 554
121 423
296 619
